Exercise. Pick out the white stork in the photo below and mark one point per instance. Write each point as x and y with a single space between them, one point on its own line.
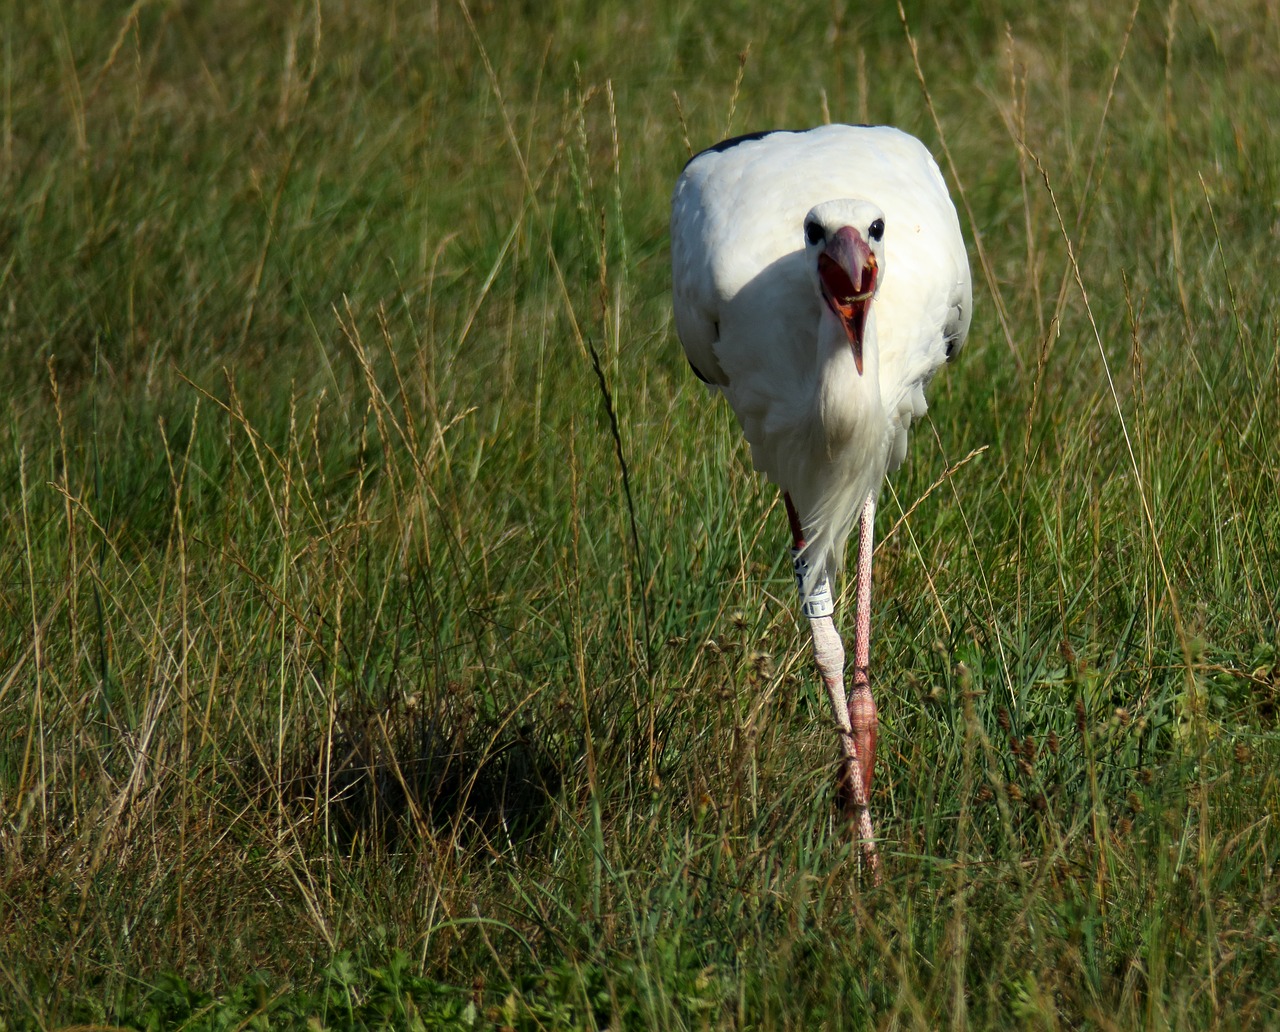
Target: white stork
820 279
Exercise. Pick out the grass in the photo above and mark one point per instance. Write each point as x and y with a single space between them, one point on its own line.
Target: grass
343 684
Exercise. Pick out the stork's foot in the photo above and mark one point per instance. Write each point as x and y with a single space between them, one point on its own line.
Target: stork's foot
852 796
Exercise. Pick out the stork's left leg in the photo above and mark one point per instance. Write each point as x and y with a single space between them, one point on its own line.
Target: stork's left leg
862 706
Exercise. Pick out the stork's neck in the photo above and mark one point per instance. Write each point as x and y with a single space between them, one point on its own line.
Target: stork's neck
849 400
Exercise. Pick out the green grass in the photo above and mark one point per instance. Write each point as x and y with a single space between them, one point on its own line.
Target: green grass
341 684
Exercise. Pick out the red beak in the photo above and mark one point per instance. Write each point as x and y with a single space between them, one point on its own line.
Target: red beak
847 269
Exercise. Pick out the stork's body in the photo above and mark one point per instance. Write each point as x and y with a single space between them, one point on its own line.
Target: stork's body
820 279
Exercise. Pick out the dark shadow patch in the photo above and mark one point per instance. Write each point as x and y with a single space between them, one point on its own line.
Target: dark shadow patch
386 773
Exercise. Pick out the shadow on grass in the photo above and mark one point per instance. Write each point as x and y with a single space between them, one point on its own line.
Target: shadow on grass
381 775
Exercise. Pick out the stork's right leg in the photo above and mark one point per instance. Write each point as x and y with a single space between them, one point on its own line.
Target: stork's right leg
828 652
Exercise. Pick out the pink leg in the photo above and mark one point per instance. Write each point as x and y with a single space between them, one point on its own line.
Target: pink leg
862 706
828 652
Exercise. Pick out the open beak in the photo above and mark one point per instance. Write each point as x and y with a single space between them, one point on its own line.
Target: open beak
847 269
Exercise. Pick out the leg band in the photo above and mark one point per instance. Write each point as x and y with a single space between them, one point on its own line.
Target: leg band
818 603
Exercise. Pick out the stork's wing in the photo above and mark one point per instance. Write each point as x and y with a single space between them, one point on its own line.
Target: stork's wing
695 298
745 307
926 300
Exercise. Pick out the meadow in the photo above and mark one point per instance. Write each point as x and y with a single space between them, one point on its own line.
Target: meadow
394 634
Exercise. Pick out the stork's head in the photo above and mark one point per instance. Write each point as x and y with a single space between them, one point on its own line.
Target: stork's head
844 244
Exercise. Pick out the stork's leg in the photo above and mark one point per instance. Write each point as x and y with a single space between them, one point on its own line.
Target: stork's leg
828 652
862 706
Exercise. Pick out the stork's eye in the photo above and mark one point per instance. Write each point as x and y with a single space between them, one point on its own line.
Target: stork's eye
813 233
877 229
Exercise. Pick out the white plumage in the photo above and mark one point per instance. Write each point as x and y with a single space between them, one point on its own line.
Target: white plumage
751 312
